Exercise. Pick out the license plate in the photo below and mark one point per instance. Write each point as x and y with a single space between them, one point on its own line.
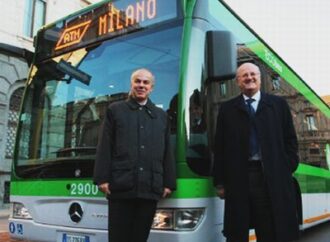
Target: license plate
75 238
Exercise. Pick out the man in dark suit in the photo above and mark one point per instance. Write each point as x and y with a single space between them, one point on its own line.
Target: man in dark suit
255 155
134 165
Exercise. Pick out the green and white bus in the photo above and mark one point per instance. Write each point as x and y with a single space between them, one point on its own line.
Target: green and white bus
82 63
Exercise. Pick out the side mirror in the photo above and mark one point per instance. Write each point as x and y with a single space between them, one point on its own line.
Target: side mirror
73 72
220 56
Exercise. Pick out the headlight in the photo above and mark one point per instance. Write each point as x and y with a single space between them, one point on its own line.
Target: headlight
163 219
178 219
21 212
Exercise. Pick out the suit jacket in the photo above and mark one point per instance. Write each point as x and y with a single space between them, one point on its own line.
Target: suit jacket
279 148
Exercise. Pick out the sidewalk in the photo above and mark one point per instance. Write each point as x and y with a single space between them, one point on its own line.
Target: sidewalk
4 213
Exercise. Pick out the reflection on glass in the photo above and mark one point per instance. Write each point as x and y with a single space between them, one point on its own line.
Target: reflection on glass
311 125
62 115
197 151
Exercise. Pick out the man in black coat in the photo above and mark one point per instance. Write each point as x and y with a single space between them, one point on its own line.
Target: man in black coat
134 165
255 155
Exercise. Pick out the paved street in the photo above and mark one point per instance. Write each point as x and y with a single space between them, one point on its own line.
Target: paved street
4 236
319 234
4 214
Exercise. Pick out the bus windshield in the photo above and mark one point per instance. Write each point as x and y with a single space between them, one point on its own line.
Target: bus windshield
67 96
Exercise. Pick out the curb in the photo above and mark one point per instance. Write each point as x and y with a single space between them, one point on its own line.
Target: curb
3 216
4 213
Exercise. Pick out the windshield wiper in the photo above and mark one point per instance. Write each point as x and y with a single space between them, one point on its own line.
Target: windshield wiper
73 151
58 167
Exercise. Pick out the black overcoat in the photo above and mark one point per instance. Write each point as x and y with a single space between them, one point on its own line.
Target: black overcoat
279 147
134 154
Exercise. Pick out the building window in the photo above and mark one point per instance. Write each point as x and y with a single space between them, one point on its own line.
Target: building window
223 89
310 120
14 105
276 83
34 16
314 151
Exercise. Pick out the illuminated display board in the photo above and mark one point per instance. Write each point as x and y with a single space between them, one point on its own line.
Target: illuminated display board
110 19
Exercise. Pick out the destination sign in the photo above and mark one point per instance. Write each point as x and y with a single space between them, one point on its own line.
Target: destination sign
136 13
107 20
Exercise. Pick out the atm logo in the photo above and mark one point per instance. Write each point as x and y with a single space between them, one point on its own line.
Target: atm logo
72 35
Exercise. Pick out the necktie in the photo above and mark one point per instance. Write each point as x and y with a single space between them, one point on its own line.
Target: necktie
253 141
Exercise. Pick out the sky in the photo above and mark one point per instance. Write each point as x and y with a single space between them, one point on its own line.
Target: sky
297 30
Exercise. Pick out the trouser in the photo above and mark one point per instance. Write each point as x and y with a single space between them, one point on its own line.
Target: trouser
260 209
130 220
261 213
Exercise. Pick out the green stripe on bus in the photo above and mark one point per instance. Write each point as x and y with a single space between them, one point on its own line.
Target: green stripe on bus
186 188
194 188
313 179
59 188
308 170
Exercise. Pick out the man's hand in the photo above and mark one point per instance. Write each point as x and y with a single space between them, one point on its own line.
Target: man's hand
220 192
166 192
104 187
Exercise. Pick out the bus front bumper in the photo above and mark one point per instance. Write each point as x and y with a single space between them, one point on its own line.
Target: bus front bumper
29 230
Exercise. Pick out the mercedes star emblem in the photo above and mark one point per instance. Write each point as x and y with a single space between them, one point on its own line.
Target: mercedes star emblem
76 212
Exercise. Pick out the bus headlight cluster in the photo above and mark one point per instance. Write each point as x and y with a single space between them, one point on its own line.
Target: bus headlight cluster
21 212
178 219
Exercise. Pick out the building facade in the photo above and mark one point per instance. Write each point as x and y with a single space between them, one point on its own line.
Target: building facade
326 99
21 20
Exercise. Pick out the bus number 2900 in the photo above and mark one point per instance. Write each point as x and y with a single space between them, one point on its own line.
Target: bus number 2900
83 189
